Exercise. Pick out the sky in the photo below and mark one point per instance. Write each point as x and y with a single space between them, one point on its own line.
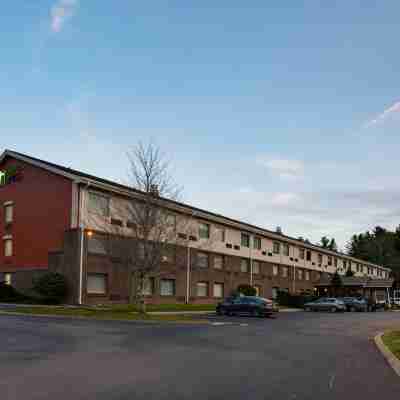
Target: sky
278 113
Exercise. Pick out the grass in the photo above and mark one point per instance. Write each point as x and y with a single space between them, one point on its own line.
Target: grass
392 341
105 314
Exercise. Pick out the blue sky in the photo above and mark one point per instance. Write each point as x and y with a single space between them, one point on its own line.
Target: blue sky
279 113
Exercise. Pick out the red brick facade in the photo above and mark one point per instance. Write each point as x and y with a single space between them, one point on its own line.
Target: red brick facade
42 204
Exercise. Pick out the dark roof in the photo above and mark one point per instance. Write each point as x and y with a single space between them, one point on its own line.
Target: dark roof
172 202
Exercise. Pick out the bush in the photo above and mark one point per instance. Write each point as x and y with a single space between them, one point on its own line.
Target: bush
9 294
247 290
52 287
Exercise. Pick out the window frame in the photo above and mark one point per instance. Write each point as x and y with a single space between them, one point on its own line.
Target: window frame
276 247
8 240
173 281
97 236
247 261
100 195
285 250
204 228
202 285
257 239
205 256
244 239
275 270
8 206
222 258
221 284
91 274
258 263
301 253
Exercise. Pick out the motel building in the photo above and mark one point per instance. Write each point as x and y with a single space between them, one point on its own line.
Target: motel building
58 219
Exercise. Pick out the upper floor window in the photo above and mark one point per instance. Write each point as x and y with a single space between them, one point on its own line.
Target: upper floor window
8 247
244 265
275 270
257 243
8 213
202 260
218 261
284 272
335 261
276 248
300 274
256 267
319 258
99 204
220 234
307 275
301 253
329 260
245 240
285 249
204 231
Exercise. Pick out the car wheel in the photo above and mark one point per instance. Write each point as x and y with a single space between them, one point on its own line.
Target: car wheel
353 309
333 309
308 309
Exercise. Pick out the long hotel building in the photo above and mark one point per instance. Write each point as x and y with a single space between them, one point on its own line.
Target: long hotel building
55 218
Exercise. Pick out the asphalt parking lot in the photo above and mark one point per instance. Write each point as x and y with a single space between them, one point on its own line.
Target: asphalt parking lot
296 356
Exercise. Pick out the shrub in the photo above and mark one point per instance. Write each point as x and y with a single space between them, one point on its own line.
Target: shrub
52 286
247 290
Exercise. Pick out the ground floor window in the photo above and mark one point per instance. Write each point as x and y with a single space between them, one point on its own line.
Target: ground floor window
307 275
258 290
202 289
96 283
218 290
275 291
244 265
167 287
256 267
8 247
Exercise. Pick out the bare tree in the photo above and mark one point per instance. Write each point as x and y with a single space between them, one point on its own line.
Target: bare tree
151 226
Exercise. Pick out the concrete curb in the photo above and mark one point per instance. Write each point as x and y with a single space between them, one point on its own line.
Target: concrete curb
393 361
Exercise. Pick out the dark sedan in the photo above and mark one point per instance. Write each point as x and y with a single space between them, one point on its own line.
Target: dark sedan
249 305
355 304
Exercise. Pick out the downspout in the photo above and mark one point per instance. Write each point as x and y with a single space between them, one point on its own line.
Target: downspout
251 260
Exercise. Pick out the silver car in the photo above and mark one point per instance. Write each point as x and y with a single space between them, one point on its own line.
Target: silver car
325 304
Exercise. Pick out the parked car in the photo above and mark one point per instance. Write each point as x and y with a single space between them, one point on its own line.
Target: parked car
355 304
250 305
325 304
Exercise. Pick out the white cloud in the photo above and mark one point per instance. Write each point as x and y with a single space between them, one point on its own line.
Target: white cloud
395 108
62 11
284 168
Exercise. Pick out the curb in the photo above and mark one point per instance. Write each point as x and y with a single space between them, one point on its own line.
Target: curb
393 361
80 317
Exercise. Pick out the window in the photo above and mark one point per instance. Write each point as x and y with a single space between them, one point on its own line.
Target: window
301 254
275 291
335 260
345 264
204 231
285 249
8 247
300 274
218 261
319 258
329 260
148 287
276 248
202 289
256 267
220 234
258 290
202 260
244 265
308 255
284 272
8 213
167 287
96 283
245 240
97 244
218 290
99 204
170 220
275 270
7 278
307 273
257 243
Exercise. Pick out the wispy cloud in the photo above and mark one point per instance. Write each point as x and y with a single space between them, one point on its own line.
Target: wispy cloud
284 168
61 12
393 109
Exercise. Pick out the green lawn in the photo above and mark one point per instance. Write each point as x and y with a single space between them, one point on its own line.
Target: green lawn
110 314
392 341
